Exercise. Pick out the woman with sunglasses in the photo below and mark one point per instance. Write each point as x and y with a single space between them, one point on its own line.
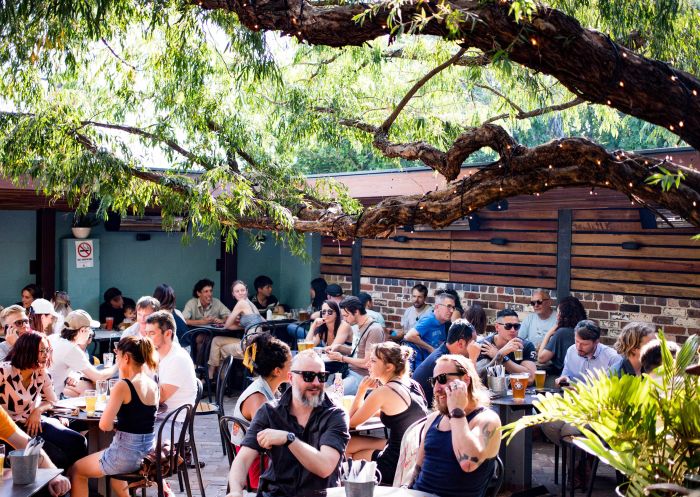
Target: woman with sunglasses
460 441
28 394
399 401
270 360
329 330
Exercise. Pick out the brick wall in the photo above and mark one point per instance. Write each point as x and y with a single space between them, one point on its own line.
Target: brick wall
677 317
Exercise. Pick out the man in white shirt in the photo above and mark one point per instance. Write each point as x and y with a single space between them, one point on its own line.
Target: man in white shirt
536 324
68 360
144 307
176 377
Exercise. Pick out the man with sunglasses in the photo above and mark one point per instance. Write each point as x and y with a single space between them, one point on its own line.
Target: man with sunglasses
429 332
14 323
536 324
461 340
304 435
460 441
500 348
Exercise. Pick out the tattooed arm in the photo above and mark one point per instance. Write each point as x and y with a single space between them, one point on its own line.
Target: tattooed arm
474 443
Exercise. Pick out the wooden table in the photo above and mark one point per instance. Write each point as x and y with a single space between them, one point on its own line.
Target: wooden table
43 477
378 492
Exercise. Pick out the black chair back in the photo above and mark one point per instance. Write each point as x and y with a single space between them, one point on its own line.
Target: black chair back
227 424
496 482
174 443
225 372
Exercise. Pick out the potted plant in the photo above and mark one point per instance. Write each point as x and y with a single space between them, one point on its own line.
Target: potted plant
82 224
647 427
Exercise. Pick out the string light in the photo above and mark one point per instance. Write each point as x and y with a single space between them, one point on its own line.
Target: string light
609 102
622 84
630 184
695 93
673 78
550 166
694 203
671 127
533 41
680 123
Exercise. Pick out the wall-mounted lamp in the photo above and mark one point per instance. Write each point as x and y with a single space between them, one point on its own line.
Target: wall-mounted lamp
500 205
401 239
631 245
409 228
499 241
474 222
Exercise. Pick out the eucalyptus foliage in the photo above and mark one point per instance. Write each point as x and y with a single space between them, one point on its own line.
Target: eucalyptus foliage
646 427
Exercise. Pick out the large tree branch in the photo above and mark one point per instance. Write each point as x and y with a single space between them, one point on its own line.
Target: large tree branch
550 42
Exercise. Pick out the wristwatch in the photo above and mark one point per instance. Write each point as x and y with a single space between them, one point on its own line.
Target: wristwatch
290 438
457 413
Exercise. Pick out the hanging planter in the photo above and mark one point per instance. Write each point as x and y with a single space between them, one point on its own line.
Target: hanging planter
82 225
81 232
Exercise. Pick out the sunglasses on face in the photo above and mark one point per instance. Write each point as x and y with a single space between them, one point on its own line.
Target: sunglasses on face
308 376
442 378
511 326
21 322
537 302
327 312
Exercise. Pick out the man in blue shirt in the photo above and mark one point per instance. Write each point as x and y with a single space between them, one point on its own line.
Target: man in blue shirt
587 354
461 340
429 332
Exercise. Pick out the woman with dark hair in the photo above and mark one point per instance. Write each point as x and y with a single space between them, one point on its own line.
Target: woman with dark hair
28 392
166 296
398 399
330 330
42 317
30 293
133 402
476 316
558 340
270 360
318 294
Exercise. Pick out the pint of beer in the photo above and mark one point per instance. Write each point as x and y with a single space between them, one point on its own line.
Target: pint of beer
540 377
518 383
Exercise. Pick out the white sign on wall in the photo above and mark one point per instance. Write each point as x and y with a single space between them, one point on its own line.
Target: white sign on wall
84 254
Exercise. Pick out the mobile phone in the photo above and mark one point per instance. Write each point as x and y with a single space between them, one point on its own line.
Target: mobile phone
563 383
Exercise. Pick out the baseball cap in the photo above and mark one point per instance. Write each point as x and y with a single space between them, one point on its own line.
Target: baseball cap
334 290
80 319
43 306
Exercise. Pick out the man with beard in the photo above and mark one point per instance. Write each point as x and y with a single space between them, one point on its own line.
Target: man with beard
304 435
419 293
460 441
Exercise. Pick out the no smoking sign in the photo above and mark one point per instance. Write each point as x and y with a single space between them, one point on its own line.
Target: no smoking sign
84 254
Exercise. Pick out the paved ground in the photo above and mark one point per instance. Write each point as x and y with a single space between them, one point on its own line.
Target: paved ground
216 470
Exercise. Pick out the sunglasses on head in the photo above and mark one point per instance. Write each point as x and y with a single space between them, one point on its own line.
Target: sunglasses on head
442 378
327 312
511 326
308 376
537 302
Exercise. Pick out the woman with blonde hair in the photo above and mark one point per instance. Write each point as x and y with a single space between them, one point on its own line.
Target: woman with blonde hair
629 345
399 401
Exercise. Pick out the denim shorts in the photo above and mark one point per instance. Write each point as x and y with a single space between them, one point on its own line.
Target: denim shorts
125 453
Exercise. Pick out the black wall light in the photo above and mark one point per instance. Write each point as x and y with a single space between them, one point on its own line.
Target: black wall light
631 245
499 241
401 239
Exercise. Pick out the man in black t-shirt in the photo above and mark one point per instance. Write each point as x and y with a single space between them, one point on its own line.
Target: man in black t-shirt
304 434
501 348
263 298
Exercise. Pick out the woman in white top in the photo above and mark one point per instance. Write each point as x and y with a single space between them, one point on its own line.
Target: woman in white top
69 365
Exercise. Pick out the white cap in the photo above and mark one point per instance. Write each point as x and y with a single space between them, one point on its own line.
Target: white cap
43 306
80 319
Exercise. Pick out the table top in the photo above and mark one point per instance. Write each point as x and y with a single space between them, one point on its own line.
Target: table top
508 400
43 477
378 492
104 335
373 423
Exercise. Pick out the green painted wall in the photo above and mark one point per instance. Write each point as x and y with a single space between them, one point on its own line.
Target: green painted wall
18 247
291 274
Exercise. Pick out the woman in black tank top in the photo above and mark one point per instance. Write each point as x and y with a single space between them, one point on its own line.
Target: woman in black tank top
133 403
399 401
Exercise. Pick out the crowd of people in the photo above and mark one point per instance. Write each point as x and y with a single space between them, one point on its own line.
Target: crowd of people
432 369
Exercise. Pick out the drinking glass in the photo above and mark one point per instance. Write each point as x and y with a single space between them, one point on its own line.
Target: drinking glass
109 323
540 377
518 354
90 402
101 391
2 457
108 359
303 344
112 382
518 384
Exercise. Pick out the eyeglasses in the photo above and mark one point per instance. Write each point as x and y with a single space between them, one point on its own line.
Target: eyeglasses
21 322
510 326
537 302
442 378
308 376
327 312
44 350
450 307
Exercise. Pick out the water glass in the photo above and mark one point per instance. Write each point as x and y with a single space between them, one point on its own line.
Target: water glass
112 383
102 391
108 359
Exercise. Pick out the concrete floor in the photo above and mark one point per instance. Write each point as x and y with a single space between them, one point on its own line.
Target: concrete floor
216 470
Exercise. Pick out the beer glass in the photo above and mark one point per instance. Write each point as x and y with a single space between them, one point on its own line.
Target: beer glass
518 384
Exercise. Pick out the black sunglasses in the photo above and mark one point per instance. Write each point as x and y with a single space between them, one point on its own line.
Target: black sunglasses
308 376
537 302
20 322
511 326
442 378
329 312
